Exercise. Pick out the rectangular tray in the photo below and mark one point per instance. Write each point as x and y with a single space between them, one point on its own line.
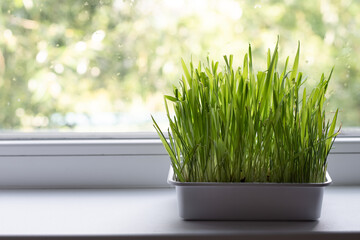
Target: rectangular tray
249 201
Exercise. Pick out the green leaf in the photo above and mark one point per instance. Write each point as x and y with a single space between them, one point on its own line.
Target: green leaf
245 67
171 98
296 64
186 72
332 129
270 71
169 150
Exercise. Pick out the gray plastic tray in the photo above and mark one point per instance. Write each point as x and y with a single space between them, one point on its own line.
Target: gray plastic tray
249 201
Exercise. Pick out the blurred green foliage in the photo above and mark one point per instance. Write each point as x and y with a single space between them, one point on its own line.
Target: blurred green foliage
103 65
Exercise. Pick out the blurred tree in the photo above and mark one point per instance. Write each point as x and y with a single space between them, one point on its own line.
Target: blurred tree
105 64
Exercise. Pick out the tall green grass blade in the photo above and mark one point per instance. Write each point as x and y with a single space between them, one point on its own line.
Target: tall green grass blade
296 64
332 130
187 74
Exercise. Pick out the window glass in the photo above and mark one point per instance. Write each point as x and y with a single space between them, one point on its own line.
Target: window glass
104 65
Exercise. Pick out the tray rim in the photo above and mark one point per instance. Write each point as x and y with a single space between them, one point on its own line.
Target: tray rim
173 182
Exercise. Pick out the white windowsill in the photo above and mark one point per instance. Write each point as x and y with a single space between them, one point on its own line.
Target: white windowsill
152 214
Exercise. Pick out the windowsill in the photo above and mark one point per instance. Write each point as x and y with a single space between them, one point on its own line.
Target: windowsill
152 213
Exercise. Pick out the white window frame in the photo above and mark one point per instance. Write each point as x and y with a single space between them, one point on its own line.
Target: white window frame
113 160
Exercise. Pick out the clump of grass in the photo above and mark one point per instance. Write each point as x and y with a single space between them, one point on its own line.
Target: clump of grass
235 125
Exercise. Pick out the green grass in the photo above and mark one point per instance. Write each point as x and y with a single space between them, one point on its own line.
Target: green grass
235 125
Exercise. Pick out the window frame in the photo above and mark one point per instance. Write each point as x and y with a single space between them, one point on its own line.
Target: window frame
117 160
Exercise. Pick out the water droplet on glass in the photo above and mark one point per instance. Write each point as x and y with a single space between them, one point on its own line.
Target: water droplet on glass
80 46
98 36
81 67
86 3
41 56
95 71
59 68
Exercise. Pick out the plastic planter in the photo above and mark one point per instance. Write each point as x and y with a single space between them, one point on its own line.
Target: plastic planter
249 201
